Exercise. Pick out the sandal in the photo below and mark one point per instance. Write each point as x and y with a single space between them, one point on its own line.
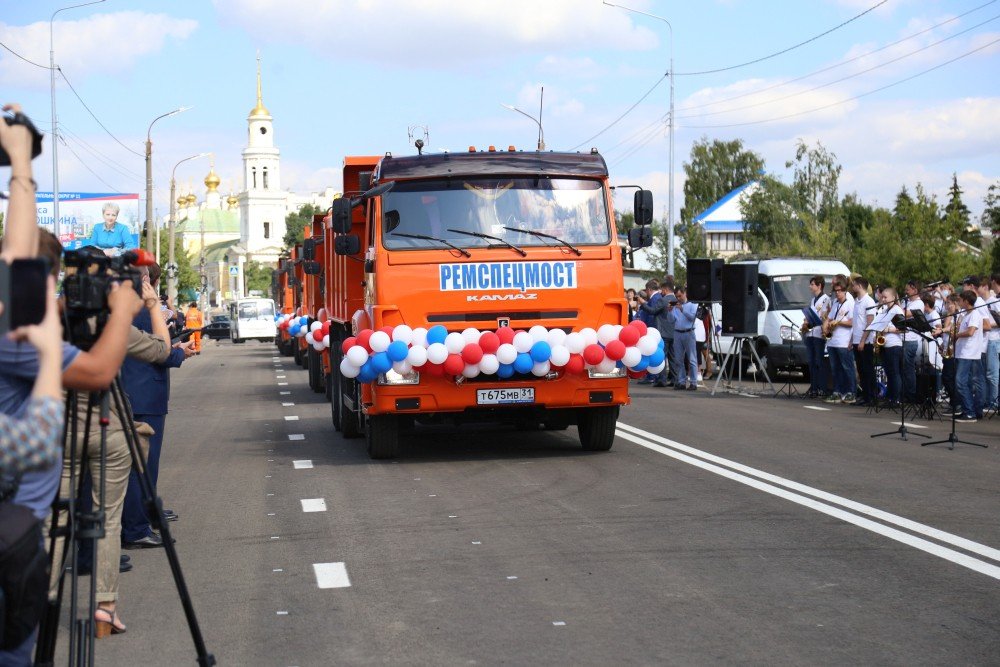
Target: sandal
111 626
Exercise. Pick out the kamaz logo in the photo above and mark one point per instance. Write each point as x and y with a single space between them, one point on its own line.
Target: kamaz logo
528 296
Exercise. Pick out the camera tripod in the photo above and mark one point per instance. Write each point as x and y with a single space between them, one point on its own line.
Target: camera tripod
83 526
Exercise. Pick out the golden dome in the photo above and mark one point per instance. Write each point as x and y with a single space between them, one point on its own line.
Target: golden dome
191 199
182 200
212 180
232 201
260 110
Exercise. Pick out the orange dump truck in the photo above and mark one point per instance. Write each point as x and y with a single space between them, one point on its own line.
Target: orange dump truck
479 286
282 291
313 249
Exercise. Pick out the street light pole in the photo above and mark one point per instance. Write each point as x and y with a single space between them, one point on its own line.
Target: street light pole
171 256
56 226
670 174
149 176
537 121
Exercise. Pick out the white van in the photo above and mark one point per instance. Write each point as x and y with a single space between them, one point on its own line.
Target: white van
252 318
783 291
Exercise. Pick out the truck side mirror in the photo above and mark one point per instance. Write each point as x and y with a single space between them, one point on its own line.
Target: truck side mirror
643 207
309 249
347 244
640 237
340 215
312 268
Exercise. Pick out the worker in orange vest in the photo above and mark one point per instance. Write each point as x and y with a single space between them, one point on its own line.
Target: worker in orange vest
193 320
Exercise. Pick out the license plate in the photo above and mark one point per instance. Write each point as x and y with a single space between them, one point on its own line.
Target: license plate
505 395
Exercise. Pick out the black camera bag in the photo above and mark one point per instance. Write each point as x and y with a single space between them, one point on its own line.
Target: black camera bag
24 575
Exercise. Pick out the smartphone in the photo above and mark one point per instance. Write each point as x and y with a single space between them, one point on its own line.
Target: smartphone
23 285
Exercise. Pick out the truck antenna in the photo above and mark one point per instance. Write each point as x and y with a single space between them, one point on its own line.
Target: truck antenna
418 142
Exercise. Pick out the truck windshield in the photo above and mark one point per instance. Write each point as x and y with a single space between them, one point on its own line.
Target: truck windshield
572 210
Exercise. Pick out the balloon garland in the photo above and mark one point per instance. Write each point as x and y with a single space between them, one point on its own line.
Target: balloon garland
504 352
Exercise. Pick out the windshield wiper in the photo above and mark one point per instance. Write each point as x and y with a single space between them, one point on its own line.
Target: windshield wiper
492 238
424 237
547 236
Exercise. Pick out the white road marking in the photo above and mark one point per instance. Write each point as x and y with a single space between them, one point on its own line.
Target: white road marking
433 495
275 537
270 494
452 516
815 407
270 460
296 436
282 384
558 622
511 578
280 377
278 569
282 613
910 425
331 575
287 405
477 542
270 513
284 393
291 418
267 477
303 464
313 505
674 449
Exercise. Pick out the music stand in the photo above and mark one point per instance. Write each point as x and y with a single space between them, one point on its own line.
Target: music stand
788 389
903 325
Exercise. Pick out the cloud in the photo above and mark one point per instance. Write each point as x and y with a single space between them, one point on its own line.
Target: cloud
436 33
571 68
102 43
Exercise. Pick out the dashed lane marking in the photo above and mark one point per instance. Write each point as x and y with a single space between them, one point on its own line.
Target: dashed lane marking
816 407
331 575
282 384
313 504
559 623
284 393
910 425
287 405
296 436
303 464
280 377
291 418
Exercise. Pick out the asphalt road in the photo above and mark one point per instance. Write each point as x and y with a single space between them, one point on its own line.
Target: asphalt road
718 530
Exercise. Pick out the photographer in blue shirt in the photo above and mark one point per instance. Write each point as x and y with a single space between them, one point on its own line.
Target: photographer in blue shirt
112 237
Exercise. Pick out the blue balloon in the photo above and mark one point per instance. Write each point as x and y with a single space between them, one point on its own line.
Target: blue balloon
294 329
436 334
523 363
381 362
659 346
505 371
540 351
304 321
397 350
368 372
656 358
642 365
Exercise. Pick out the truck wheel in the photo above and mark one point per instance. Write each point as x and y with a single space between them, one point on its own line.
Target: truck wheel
382 436
597 428
327 387
350 424
286 348
315 368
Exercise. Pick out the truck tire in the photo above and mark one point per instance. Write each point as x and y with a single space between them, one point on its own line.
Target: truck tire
382 436
296 352
315 367
350 423
327 387
597 428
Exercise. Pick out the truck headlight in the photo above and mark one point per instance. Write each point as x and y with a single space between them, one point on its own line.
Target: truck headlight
392 377
790 333
596 375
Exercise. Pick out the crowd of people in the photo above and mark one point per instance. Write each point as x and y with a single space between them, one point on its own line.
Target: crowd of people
40 371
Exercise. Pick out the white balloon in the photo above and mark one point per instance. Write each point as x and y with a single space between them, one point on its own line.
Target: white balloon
454 342
647 344
606 334
309 337
538 333
506 353
326 340
632 357
403 333
489 364
437 353
419 337
471 335
559 356
606 366
379 341
417 356
575 343
556 337
540 368
356 355
349 370
302 332
523 341
658 368
470 370
315 325
318 346
402 367
618 330
589 336
655 333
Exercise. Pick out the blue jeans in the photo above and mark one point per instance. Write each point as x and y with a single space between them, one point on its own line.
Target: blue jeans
817 364
685 359
971 386
842 364
992 372
135 522
892 362
910 348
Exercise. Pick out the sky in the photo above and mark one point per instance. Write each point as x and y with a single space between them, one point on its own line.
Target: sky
906 93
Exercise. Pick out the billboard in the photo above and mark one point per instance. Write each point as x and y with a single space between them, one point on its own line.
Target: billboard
80 211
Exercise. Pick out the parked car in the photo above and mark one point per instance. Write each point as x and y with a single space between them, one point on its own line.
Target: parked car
218 328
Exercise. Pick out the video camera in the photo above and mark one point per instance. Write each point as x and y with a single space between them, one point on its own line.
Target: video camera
36 137
89 276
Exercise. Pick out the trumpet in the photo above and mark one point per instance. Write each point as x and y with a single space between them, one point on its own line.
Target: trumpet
879 340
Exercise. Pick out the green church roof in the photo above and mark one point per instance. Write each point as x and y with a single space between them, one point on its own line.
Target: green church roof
216 221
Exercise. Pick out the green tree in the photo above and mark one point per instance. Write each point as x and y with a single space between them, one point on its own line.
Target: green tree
715 169
187 275
960 214
295 224
624 221
991 220
258 277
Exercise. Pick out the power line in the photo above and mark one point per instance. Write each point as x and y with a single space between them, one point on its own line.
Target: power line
844 78
850 99
836 65
94 116
107 161
659 121
627 112
648 138
783 51
30 62
87 167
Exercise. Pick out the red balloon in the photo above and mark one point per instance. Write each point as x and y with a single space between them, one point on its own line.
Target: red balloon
326 327
454 365
348 342
635 375
593 354
388 330
615 350
490 342
472 354
575 364
505 334
640 325
363 337
629 336
432 369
